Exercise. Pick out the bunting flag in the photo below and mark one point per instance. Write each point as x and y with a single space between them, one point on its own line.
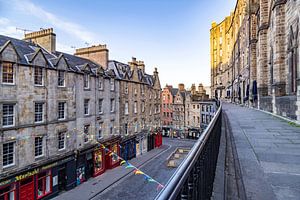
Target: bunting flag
137 172
129 166
122 162
160 186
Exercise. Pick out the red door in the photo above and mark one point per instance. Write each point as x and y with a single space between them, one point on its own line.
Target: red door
27 189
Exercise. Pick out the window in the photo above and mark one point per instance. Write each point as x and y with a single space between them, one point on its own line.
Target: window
112 105
86 133
100 106
7 73
38 147
194 107
112 84
8 150
86 81
86 107
100 130
111 128
198 118
194 119
126 128
126 88
61 110
38 76
126 108
38 112
8 192
142 89
8 115
203 118
198 106
143 106
135 107
101 84
136 127
135 91
150 109
44 184
61 140
61 78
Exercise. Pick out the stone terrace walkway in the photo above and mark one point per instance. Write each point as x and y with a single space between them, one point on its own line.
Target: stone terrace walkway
268 151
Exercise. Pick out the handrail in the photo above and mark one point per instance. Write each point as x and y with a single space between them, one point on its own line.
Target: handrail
175 183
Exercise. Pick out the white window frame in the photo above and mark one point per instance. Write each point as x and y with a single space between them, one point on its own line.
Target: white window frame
100 106
135 109
112 105
59 111
37 75
40 146
59 140
14 155
86 81
39 113
9 115
58 78
126 108
86 102
13 73
112 84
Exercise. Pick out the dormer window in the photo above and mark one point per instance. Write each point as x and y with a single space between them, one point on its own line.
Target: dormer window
38 76
7 73
61 78
86 81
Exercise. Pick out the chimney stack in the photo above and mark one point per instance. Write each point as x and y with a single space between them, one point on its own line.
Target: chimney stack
45 38
98 54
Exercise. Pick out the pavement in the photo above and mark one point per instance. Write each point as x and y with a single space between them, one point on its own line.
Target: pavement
121 183
266 149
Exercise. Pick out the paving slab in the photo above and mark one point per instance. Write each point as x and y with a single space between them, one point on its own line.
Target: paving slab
268 151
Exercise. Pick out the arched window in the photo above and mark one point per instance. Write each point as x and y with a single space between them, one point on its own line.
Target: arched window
293 58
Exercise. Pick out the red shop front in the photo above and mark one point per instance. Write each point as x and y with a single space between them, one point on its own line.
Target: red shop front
31 185
158 139
99 161
111 156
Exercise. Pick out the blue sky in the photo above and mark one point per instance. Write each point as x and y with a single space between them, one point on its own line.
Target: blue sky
172 35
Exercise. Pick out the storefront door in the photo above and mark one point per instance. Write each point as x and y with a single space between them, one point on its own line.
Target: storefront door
27 189
62 179
90 166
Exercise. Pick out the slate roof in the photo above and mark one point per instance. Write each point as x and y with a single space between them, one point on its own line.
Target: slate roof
27 50
174 91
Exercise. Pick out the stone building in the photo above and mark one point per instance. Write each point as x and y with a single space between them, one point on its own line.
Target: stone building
55 107
179 109
263 63
166 110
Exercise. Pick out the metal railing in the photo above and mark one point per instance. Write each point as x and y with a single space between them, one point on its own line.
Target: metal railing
194 178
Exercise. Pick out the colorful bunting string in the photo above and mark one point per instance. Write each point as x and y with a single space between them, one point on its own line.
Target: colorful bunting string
136 170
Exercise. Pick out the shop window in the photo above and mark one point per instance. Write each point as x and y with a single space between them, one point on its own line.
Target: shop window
114 157
38 76
44 185
8 192
8 150
98 162
7 73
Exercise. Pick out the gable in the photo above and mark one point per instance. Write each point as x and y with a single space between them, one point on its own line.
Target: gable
9 53
62 64
39 59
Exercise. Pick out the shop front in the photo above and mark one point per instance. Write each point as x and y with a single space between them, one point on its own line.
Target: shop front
141 143
38 183
157 139
128 147
84 165
151 142
111 156
99 161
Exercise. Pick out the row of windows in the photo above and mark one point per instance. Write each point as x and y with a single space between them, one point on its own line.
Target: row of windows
9 149
8 77
142 89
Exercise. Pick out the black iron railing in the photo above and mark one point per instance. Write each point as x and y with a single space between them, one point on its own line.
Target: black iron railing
195 176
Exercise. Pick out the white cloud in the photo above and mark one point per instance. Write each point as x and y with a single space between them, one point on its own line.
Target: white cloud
6 28
71 28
